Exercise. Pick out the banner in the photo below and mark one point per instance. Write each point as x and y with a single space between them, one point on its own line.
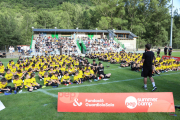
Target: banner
175 58
116 102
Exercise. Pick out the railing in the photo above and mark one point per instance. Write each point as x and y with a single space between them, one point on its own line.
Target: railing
83 45
77 42
31 42
117 41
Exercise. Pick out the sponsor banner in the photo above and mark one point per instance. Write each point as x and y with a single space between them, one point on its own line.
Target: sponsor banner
115 102
175 58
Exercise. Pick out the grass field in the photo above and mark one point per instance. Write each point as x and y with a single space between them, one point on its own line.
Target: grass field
42 104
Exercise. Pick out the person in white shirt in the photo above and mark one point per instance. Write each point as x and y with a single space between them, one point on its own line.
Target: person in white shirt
10 51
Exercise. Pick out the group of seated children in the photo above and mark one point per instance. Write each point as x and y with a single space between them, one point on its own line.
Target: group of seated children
52 70
135 61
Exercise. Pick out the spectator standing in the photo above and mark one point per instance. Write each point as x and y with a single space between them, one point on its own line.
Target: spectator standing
158 51
165 50
170 51
13 50
19 50
10 51
22 50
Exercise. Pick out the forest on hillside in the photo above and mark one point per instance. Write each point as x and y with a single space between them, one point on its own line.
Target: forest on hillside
148 19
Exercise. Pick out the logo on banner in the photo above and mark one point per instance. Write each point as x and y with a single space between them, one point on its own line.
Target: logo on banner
131 102
68 97
76 102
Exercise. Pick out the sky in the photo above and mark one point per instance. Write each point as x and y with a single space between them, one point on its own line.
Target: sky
176 4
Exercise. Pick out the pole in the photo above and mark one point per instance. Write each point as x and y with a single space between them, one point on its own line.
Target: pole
55 31
96 33
171 25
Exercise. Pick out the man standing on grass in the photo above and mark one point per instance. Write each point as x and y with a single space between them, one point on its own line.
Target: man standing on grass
158 51
170 51
165 50
147 59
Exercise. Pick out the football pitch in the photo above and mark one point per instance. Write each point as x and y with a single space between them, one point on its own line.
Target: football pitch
42 104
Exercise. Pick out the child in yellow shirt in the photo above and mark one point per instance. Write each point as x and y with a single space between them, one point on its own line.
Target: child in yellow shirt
77 79
13 70
27 83
92 74
55 80
33 81
2 70
4 88
41 74
87 75
66 79
47 80
9 76
18 84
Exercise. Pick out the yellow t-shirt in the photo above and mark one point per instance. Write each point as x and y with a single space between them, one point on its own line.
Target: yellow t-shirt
46 80
158 68
33 80
117 59
9 67
2 70
27 68
45 67
65 78
51 72
18 82
20 74
61 63
8 76
174 65
42 73
3 85
76 78
92 72
17 65
86 74
2 67
76 63
164 67
54 77
27 82
63 69
80 73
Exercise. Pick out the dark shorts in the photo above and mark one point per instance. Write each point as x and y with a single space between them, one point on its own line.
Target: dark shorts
103 74
146 72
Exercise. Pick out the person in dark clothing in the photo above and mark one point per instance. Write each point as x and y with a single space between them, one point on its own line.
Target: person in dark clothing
147 70
165 50
170 51
158 51
100 71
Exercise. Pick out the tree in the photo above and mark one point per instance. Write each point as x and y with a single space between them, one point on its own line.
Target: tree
9 32
45 20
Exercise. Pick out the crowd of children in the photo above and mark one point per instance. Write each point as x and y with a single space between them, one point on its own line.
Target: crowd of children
134 60
52 70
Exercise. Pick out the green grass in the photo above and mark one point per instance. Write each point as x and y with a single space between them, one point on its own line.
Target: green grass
38 105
